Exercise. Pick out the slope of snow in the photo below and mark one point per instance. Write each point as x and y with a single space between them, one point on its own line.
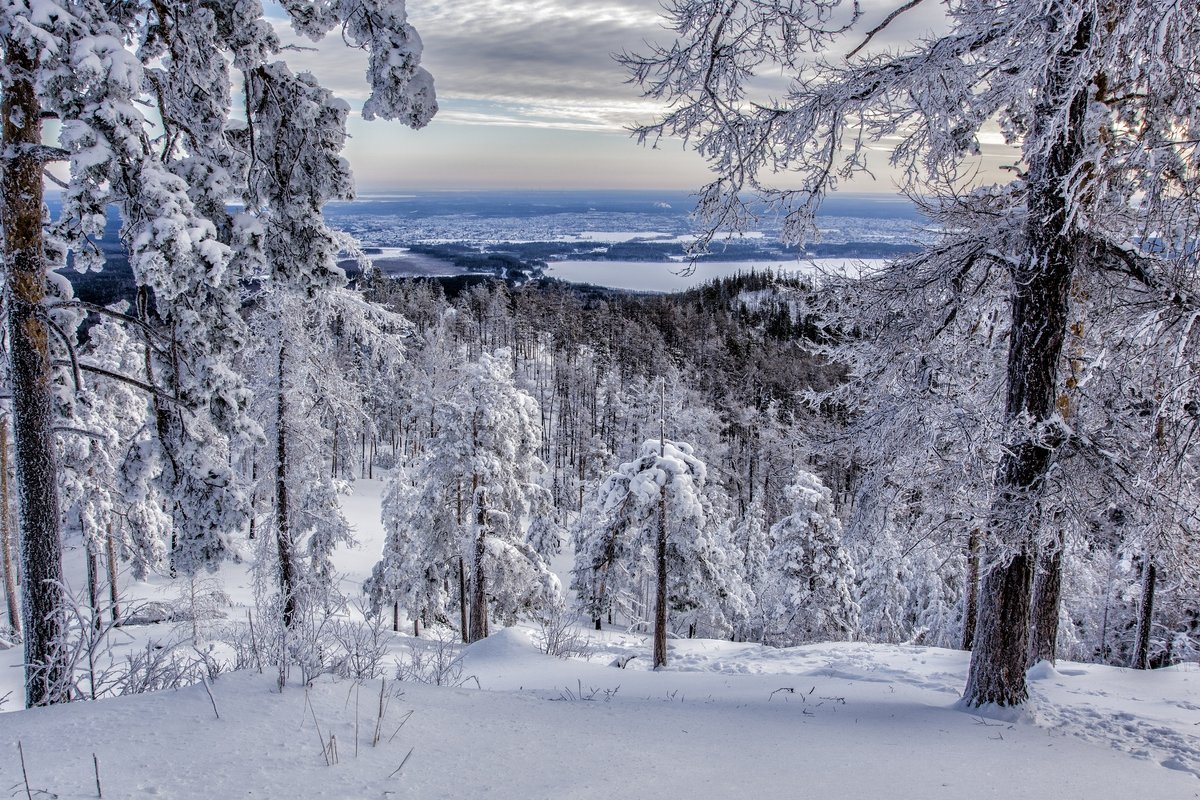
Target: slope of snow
822 721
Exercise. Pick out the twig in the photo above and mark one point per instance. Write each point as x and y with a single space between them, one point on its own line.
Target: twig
357 686
96 764
888 21
788 689
317 725
253 641
25 774
379 718
211 699
402 763
401 725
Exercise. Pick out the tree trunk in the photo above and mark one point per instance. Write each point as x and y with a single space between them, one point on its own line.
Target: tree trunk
660 599
253 498
93 580
462 599
1141 652
1040 303
1047 594
10 576
113 593
971 591
660 555
43 622
283 523
478 579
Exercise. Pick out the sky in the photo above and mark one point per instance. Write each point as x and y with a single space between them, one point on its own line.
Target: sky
531 98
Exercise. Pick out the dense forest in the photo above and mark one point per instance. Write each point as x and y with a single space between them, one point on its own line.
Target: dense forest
986 443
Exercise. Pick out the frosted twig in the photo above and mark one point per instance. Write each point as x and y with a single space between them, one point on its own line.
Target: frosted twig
401 725
402 763
211 699
317 725
25 774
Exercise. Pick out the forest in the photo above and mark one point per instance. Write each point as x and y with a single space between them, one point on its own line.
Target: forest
986 444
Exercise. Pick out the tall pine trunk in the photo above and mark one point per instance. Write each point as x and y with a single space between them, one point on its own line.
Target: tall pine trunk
971 591
478 578
660 545
660 594
1141 652
283 522
1041 289
10 576
30 364
114 594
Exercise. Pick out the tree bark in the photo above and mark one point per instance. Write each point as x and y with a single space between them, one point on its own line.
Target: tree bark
478 578
1141 652
462 600
971 591
30 364
93 580
283 523
660 599
113 593
1039 321
1047 595
10 576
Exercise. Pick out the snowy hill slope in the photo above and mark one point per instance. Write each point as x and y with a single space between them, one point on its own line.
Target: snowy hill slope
859 721
845 720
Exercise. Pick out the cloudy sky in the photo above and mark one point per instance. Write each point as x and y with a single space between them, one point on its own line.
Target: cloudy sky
530 98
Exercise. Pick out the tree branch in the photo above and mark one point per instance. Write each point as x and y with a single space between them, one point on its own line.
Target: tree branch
878 28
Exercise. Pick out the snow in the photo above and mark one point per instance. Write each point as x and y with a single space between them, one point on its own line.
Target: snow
657 276
822 720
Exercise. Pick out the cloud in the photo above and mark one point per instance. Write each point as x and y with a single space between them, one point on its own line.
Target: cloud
515 70
535 62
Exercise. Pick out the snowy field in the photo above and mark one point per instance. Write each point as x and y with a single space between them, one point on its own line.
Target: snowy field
844 720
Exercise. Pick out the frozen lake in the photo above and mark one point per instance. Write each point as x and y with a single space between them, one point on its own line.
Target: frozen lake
659 276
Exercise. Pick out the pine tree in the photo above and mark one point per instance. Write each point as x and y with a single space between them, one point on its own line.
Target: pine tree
475 489
171 171
654 532
812 578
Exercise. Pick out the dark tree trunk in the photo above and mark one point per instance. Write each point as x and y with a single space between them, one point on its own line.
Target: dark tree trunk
478 578
114 594
1040 303
1047 593
30 369
971 591
283 522
253 499
462 600
93 580
395 616
10 574
660 599
1141 652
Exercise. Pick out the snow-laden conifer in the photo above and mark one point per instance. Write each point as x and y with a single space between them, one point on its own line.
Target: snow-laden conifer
810 595
472 498
650 529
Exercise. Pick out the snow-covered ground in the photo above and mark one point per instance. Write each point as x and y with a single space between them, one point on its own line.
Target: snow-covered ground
845 720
